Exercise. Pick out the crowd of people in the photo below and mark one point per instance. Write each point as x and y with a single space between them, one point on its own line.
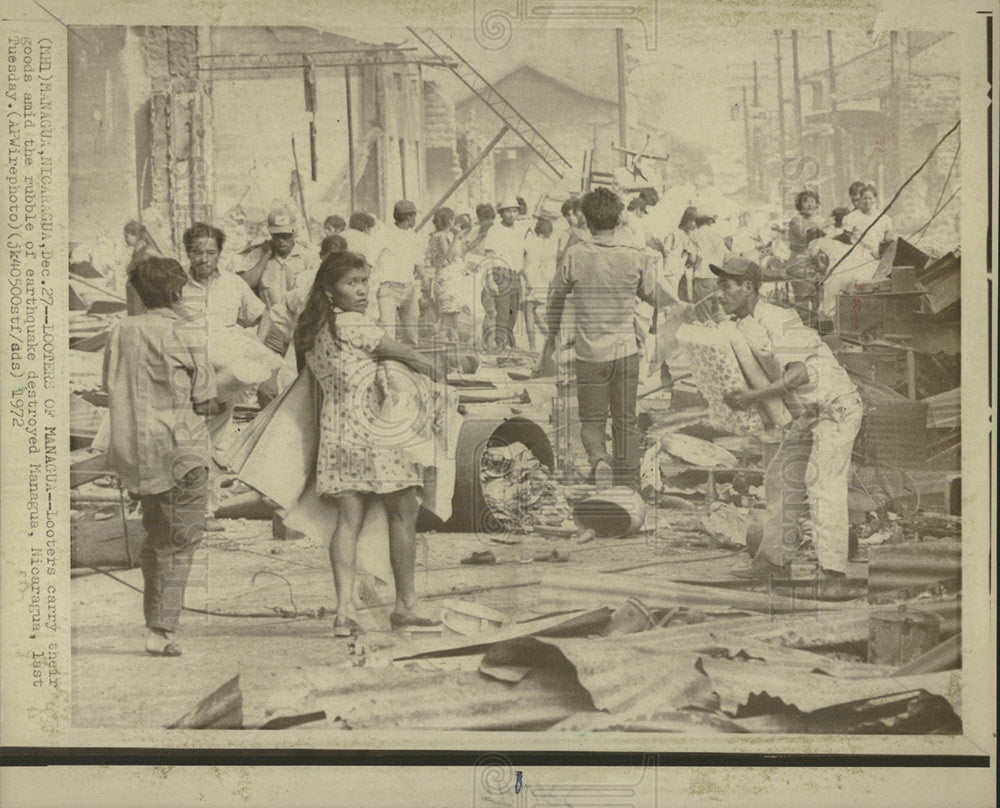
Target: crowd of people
196 338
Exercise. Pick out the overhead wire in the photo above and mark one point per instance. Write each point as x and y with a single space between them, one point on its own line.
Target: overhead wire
938 207
917 234
938 211
894 198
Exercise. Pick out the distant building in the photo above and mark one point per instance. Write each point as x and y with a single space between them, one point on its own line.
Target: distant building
183 123
571 112
893 104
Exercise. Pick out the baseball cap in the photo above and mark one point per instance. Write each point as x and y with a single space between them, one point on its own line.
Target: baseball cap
404 207
738 267
281 223
690 216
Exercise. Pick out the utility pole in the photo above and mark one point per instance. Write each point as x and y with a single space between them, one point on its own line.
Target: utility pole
350 134
781 117
756 97
797 86
622 101
746 139
838 157
893 35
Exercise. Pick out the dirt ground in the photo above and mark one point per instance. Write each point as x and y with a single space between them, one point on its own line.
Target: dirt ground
274 602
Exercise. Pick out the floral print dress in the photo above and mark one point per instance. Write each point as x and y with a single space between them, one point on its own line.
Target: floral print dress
442 254
358 445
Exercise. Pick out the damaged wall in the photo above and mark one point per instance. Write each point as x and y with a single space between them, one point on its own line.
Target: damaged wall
108 131
440 154
180 122
926 107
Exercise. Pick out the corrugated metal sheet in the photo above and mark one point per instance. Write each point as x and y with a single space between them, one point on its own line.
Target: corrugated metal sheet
639 677
620 678
894 433
568 622
567 589
627 678
944 411
405 697
736 681
914 564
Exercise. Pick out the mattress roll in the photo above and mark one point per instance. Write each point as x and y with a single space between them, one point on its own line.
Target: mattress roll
755 375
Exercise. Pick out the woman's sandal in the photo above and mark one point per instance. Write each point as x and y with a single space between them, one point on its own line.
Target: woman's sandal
404 620
347 627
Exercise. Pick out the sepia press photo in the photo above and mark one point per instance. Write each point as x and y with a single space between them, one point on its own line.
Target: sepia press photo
505 372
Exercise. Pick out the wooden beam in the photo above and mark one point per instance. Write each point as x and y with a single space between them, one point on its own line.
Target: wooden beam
465 175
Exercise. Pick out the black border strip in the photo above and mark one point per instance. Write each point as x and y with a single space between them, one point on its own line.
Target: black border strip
111 756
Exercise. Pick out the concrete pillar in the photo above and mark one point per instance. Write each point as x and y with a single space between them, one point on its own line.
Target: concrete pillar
180 122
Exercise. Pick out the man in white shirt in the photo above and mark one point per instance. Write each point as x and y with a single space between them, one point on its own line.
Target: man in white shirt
228 306
223 297
810 471
710 248
399 267
504 244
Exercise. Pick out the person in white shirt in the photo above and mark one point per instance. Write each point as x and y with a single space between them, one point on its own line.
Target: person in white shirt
504 249
228 306
810 471
858 221
539 269
399 267
709 248
358 234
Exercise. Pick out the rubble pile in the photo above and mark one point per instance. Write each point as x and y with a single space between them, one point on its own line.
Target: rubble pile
520 491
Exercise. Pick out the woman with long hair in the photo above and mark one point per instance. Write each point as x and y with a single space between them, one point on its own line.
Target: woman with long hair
443 256
360 457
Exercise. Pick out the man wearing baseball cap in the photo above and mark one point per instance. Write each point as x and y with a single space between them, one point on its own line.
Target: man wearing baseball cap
398 270
810 471
279 265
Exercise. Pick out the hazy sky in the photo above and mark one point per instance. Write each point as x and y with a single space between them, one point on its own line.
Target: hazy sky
693 76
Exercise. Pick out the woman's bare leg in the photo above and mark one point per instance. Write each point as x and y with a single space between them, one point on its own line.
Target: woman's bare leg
343 548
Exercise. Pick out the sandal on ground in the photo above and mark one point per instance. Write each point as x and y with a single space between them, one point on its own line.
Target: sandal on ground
347 627
404 620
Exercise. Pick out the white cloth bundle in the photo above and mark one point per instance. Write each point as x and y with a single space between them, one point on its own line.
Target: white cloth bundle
239 360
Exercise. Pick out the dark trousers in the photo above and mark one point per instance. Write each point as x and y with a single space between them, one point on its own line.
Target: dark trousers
604 388
502 301
174 521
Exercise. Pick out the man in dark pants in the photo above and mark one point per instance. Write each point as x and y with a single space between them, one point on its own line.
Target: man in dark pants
174 521
605 277
160 388
504 246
